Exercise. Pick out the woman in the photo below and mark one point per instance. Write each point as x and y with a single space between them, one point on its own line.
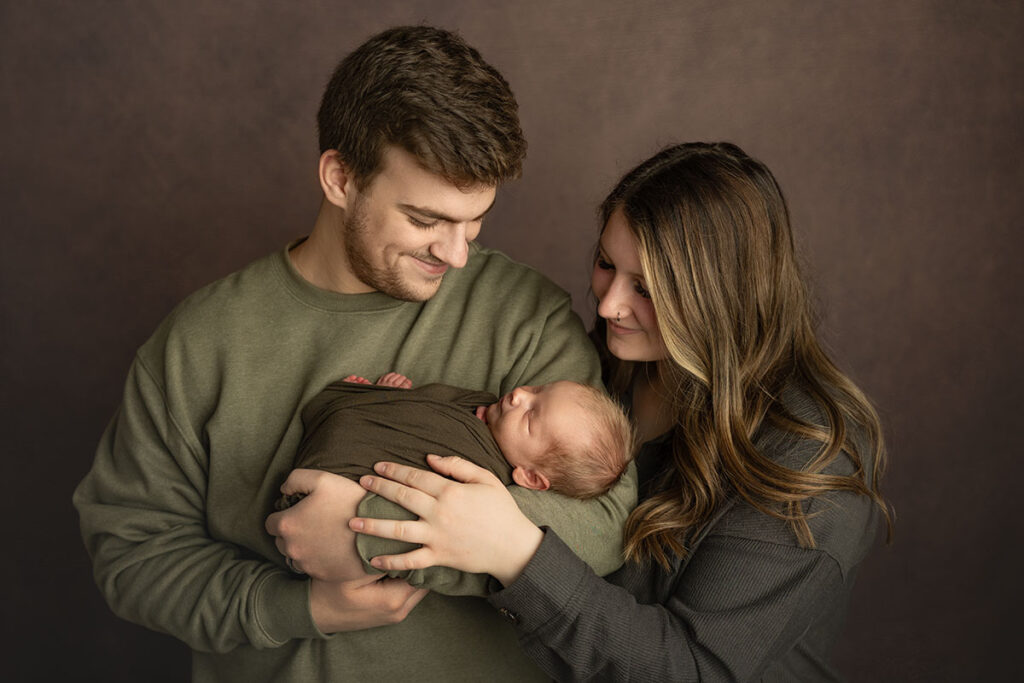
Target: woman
759 472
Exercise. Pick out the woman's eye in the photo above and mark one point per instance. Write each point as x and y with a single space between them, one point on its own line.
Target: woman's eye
604 265
641 290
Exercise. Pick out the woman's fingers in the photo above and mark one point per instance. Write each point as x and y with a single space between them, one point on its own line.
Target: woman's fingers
461 469
420 480
410 531
412 499
414 559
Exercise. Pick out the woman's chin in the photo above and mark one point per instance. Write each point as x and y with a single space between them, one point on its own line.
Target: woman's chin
634 348
622 350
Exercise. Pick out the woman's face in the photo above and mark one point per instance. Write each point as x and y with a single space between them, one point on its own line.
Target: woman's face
623 299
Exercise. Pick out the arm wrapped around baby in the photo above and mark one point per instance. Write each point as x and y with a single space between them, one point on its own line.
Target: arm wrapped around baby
351 425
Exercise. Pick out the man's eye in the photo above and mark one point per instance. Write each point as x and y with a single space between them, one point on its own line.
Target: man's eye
422 224
604 265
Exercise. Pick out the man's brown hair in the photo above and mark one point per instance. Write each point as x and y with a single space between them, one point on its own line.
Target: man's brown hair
427 91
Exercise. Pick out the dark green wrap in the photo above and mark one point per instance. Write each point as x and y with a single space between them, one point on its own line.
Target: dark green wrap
349 427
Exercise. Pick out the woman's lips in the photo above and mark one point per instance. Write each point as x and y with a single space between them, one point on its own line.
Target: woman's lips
619 329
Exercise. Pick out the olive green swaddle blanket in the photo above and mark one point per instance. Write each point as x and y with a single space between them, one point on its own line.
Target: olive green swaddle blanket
350 426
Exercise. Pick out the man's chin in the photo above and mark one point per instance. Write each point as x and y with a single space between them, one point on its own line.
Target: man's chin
425 291
415 290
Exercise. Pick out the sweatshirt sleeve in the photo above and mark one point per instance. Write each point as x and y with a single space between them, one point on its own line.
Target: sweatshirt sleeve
142 515
592 528
740 604
559 350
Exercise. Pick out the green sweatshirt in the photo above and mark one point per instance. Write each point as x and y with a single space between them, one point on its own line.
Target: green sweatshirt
172 511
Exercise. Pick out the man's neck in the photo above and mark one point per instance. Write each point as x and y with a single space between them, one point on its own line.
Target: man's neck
321 259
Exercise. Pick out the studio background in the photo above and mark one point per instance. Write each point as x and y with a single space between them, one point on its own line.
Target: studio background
150 148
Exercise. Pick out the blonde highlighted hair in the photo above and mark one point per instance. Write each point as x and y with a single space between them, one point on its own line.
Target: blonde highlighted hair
714 240
599 451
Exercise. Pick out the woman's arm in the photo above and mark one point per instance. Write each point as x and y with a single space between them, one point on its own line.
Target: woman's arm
737 606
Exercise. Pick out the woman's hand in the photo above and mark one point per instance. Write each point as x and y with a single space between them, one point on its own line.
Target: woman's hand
474 526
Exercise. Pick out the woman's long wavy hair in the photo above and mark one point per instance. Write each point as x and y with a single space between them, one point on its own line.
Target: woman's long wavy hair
715 245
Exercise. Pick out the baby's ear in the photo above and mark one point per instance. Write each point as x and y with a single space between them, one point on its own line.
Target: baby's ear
530 479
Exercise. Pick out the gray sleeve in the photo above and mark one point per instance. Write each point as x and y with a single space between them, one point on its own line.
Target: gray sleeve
739 604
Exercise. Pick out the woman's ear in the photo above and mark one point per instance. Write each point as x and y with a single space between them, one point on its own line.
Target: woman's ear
336 179
530 479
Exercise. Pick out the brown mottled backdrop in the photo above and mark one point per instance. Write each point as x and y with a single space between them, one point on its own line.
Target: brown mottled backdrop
151 147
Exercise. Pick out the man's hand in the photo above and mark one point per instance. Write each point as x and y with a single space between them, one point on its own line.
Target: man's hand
363 603
314 532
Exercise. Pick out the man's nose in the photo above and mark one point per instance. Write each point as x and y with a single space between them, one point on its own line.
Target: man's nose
452 246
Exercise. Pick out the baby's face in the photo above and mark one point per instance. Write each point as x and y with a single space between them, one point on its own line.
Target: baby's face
527 421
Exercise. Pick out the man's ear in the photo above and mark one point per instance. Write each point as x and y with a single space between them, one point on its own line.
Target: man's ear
336 179
530 479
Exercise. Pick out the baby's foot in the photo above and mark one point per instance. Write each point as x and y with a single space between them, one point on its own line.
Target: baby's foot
393 379
356 379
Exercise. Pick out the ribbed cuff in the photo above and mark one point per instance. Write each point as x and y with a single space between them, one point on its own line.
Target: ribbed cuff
282 609
547 587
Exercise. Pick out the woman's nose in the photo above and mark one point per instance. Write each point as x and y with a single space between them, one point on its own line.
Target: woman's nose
612 304
606 309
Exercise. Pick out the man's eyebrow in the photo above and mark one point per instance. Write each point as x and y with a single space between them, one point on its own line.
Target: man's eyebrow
438 216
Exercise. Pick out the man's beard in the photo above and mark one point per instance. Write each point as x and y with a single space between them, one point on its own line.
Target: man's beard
389 282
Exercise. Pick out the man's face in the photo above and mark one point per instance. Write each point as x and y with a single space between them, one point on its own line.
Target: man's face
527 421
403 231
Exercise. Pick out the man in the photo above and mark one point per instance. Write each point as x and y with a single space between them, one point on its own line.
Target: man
416 133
